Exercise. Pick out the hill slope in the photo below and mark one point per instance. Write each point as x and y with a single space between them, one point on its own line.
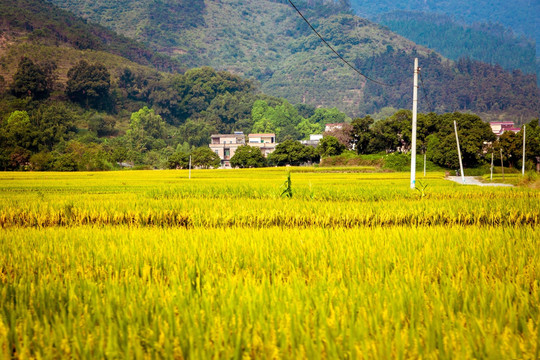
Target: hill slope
489 43
40 21
519 15
267 41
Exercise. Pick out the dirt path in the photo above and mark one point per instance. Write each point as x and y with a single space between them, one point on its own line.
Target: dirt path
471 180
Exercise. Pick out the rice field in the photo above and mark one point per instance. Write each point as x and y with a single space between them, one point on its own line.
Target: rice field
152 264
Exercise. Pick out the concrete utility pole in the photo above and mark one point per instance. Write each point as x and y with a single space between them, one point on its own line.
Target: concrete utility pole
414 115
502 164
491 168
424 163
189 167
459 154
523 165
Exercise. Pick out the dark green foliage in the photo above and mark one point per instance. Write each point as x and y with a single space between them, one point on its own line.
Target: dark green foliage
330 146
89 85
473 133
195 133
102 124
293 153
198 87
229 112
516 14
30 80
54 124
488 43
165 17
362 134
178 160
469 86
146 131
248 157
205 158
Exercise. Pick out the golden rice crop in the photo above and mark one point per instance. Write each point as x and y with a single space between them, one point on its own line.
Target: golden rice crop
147 264
265 293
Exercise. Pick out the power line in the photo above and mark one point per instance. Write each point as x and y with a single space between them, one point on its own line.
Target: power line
430 104
334 51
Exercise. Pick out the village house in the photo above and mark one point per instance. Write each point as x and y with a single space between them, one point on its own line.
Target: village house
314 140
225 145
499 127
333 127
265 142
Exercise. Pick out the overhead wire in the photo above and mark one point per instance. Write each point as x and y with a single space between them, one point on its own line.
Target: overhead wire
430 104
334 51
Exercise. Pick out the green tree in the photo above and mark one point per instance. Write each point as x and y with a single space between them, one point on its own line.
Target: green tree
30 80
473 134
198 87
248 157
178 160
532 145
89 85
325 116
195 133
362 133
54 123
146 130
18 131
282 120
230 112
307 128
330 146
205 158
291 152
512 147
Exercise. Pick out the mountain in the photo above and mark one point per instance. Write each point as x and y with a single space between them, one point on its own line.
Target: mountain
489 43
519 15
500 32
267 41
40 21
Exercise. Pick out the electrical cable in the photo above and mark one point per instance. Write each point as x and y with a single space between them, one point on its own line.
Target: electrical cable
430 104
334 51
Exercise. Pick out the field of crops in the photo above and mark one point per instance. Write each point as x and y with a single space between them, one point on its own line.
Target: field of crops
355 265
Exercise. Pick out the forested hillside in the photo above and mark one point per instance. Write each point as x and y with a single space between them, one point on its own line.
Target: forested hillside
519 15
41 22
267 41
489 43
63 107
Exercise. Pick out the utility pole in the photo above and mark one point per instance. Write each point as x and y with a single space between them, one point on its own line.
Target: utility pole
189 167
502 164
491 168
459 154
414 115
523 165
424 163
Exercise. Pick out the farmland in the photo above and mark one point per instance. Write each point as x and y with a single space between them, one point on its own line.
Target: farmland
355 265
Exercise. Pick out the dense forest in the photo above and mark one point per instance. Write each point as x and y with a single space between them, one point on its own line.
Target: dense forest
519 15
467 85
489 43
